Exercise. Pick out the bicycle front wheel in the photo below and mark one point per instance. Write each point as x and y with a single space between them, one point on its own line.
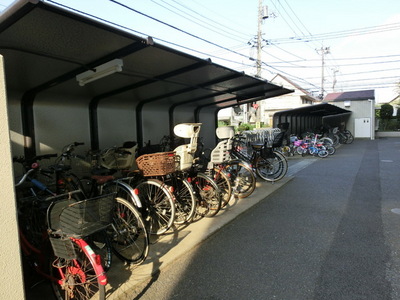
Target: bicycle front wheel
128 233
76 278
185 204
272 168
209 195
158 205
242 178
224 184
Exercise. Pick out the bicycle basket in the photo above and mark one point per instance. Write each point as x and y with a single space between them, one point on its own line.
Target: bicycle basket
157 164
63 247
81 218
267 152
278 140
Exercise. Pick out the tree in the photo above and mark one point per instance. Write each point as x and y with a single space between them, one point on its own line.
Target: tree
386 114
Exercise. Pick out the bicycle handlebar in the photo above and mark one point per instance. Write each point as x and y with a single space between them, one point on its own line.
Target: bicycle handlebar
22 180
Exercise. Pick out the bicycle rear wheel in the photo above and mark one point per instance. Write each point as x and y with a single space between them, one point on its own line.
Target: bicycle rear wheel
76 278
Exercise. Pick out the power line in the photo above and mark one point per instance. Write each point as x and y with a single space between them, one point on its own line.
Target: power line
339 34
201 23
177 28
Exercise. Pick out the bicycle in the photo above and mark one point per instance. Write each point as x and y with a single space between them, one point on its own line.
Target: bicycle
78 276
162 166
207 192
267 163
152 198
128 233
222 168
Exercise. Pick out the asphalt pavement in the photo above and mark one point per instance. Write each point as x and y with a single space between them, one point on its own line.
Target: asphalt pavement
328 230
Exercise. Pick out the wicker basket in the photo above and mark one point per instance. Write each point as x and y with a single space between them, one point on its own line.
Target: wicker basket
157 164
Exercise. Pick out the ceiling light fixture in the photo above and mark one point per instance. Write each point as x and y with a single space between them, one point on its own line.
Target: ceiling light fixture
101 71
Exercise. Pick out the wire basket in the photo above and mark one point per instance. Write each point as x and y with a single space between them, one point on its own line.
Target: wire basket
157 164
63 247
81 218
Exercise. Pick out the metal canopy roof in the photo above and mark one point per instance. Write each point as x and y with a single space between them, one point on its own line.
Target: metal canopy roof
46 46
300 119
321 110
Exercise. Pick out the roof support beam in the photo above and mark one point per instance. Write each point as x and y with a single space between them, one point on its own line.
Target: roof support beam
28 99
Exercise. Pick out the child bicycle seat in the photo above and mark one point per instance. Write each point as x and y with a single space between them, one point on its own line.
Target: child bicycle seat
186 152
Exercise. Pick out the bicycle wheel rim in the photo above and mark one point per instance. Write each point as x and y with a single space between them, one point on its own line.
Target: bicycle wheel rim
128 233
243 180
224 185
159 206
80 280
270 169
185 205
209 194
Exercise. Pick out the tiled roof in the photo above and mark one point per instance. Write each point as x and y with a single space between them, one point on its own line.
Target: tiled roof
356 95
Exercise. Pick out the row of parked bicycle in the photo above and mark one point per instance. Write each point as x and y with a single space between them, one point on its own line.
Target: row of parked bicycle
316 144
75 211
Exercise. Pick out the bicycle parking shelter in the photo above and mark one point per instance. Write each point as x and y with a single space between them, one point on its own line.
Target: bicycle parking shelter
145 86
302 119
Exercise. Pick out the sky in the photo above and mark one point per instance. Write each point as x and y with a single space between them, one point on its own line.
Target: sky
356 40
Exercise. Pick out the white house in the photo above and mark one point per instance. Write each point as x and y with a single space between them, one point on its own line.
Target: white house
362 105
268 107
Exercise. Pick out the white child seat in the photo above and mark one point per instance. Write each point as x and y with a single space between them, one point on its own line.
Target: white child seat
186 152
221 152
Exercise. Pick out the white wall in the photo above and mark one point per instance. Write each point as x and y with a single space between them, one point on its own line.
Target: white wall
360 109
11 283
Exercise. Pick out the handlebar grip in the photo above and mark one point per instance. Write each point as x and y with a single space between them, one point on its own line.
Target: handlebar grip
79 143
39 185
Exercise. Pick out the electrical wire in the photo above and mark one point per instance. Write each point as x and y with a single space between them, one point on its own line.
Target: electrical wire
202 24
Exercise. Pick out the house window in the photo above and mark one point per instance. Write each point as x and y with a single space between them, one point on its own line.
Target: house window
305 101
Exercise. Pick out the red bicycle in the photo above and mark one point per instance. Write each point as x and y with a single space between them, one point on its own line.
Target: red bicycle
52 231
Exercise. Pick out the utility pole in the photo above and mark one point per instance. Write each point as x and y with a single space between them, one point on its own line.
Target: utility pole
262 15
259 37
334 79
322 51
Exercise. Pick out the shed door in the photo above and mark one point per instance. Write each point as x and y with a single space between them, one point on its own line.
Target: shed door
362 128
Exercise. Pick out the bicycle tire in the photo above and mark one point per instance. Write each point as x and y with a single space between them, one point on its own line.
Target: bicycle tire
323 153
209 195
300 150
158 205
101 244
350 137
128 233
331 149
128 225
271 169
74 271
224 184
242 178
185 204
